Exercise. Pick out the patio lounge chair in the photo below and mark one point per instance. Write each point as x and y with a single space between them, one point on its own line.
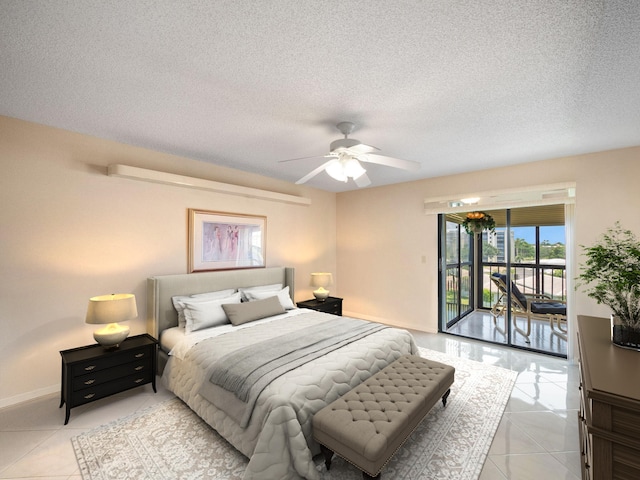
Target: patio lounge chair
529 306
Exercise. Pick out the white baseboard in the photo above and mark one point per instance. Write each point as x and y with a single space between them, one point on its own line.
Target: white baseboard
25 397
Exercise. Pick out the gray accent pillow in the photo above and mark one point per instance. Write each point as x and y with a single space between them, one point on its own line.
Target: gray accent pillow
239 313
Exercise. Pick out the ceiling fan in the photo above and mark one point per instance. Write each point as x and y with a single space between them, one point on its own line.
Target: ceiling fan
344 159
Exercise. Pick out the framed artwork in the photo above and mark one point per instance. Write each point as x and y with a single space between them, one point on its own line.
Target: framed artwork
225 241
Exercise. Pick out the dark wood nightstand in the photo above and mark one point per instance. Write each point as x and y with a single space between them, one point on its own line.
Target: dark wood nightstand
93 372
330 305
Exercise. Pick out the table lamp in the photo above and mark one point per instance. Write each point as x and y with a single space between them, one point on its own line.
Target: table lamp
321 280
109 310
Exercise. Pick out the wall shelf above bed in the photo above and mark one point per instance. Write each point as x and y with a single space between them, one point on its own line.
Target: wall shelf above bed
154 176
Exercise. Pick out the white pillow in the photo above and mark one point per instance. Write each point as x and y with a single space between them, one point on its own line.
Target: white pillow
261 288
178 301
283 296
200 314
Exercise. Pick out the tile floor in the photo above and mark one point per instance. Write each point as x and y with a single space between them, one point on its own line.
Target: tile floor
479 325
537 438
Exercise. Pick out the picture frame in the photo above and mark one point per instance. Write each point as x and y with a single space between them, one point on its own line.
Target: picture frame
225 241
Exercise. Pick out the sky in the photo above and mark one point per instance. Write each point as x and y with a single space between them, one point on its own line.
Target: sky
553 234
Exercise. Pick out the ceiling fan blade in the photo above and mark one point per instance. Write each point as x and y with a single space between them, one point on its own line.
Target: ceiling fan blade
362 148
313 173
304 158
390 161
362 181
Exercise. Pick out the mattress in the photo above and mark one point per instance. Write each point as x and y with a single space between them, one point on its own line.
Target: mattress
278 439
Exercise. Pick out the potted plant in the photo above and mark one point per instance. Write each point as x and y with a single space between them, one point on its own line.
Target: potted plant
611 275
477 222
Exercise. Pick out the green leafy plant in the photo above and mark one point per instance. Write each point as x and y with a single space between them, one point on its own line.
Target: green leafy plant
611 274
477 222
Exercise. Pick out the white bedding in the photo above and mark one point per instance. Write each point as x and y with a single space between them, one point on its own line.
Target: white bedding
176 342
278 439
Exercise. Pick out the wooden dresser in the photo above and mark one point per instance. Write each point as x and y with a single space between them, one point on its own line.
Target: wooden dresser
610 404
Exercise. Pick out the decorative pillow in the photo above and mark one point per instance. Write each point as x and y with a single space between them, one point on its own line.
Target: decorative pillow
179 299
200 314
245 312
283 296
261 288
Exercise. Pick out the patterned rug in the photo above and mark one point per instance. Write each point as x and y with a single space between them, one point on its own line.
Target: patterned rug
168 441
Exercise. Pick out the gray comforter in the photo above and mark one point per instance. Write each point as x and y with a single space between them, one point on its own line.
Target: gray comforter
247 371
278 438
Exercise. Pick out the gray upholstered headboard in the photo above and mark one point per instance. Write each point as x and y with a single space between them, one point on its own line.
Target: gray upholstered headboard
161 314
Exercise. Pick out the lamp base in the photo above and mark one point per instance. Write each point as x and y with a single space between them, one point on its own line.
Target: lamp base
112 335
321 294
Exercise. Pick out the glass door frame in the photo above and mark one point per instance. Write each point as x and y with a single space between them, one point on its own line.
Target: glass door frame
459 265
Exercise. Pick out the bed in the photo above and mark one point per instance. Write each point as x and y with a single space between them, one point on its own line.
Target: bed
275 434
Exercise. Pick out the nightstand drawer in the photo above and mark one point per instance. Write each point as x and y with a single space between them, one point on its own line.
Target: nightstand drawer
97 364
106 375
334 308
109 388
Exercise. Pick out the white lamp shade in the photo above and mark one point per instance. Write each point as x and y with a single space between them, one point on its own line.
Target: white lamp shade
112 308
321 280
109 310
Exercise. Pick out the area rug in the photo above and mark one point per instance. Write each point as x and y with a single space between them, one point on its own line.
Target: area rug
168 441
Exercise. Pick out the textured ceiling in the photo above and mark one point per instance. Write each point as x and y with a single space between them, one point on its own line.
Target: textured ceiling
455 85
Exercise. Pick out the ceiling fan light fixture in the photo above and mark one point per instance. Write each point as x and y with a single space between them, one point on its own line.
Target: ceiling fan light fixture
353 169
345 156
335 170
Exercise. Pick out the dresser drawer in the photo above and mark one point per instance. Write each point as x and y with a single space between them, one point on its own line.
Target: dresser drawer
105 375
626 463
626 422
109 388
97 364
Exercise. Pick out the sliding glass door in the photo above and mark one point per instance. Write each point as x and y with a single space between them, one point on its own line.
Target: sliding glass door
528 249
456 263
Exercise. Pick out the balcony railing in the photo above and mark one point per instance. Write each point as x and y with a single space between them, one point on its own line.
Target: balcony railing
458 291
529 278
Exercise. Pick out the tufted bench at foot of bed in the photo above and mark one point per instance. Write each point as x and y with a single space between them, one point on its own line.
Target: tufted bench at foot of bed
368 424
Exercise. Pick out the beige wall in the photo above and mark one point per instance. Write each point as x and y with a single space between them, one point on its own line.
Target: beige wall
387 246
69 232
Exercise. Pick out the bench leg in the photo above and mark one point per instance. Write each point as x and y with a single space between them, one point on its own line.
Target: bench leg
366 476
328 455
445 396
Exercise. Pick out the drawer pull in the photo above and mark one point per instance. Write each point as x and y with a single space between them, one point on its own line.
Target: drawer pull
138 368
139 380
139 355
89 382
91 395
89 368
